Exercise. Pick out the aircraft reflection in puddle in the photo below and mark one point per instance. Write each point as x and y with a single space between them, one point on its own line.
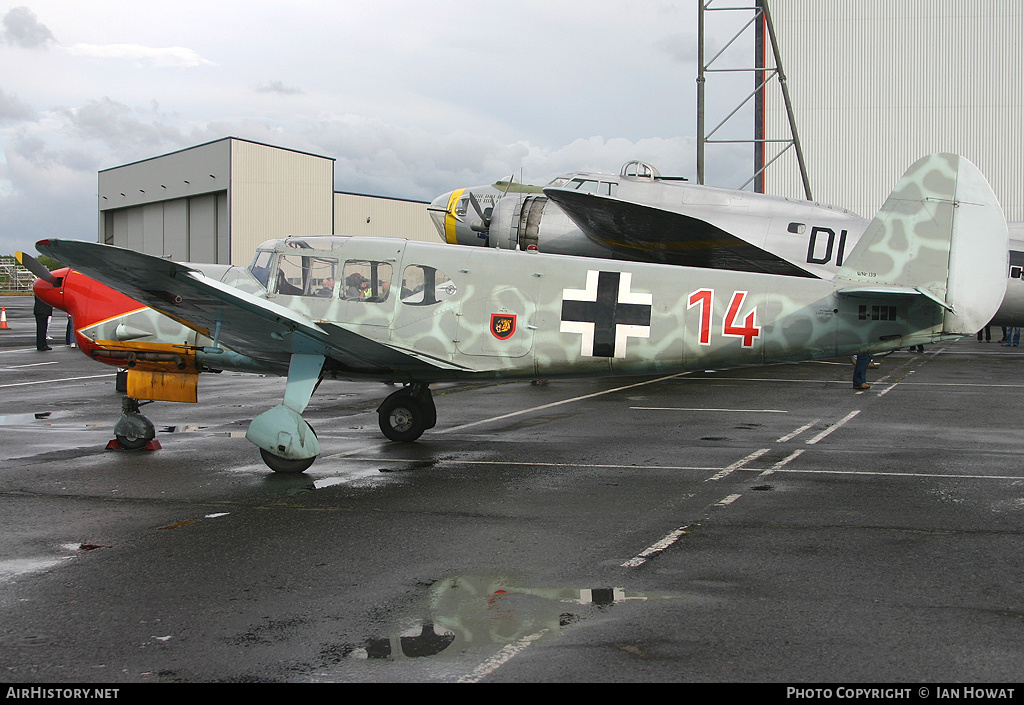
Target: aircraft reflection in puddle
20 419
470 611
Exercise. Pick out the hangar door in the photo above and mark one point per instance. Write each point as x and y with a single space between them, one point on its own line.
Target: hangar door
194 229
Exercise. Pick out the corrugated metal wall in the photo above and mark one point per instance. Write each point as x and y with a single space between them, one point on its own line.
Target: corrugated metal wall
876 84
276 193
382 217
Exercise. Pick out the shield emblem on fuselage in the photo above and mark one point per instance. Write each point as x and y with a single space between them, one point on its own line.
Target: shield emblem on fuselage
503 325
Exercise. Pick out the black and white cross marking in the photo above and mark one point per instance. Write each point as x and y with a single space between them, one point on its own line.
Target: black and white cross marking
606 313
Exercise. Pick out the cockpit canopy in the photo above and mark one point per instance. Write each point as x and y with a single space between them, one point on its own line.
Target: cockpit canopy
639 170
303 266
587 184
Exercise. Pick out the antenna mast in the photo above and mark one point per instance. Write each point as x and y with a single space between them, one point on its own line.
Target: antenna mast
764 32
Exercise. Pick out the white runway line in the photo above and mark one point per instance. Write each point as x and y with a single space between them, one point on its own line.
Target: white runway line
782 463
33 364
656 547
501 658
838 424
794 434
559 403
54 381
728 470
681 408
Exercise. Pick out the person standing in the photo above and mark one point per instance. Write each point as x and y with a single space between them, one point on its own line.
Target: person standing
42 311
860 372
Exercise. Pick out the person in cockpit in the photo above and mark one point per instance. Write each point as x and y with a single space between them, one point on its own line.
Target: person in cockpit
326 288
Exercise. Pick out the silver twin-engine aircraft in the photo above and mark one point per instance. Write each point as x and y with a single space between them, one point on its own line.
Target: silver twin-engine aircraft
640 215
929 267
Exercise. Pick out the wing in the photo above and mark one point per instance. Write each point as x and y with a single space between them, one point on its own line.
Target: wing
663 236
247 324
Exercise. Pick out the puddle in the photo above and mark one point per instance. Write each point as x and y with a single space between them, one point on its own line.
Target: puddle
475 611
20 566
182 523
362 477
328 482
190 428
18 419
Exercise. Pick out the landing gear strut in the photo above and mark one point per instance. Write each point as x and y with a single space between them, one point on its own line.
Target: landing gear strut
286 441
407 413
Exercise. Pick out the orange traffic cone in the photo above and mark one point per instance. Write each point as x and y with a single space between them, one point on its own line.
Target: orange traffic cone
3 319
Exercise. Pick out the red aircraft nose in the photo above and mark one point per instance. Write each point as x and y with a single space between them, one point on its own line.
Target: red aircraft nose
52 292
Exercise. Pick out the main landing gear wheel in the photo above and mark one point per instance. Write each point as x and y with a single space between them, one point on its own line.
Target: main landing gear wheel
402 418
291 466
285 465
407 413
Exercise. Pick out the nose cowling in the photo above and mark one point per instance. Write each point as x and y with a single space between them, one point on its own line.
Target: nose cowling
52 291
439 210
462 216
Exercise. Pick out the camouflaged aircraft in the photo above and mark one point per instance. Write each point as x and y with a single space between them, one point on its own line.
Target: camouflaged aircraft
640 215
929 267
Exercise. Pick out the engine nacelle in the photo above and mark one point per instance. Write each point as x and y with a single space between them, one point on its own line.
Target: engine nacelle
536 223
517 221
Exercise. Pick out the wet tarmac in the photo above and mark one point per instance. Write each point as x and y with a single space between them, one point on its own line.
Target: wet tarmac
758 525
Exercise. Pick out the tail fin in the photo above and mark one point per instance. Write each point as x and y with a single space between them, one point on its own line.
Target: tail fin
940 233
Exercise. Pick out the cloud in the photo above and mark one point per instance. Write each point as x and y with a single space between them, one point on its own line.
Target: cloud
13 110
680 47
44 192
23 29
120 129
161 57
383 158
277 87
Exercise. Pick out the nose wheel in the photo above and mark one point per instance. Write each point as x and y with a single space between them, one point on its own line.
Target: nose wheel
407 413
133 431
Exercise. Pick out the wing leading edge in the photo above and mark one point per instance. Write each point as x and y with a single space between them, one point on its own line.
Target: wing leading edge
664 236
248 325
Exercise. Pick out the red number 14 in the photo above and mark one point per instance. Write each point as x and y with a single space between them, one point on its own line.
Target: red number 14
748 331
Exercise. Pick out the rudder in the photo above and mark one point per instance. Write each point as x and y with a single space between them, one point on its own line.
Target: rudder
941 232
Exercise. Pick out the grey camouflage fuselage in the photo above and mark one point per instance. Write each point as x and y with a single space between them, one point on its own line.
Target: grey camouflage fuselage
645 318
930 266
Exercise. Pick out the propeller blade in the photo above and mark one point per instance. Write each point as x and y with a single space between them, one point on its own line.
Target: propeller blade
36 267
479 211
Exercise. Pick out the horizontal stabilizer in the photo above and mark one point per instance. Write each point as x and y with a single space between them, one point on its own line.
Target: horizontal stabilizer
873 292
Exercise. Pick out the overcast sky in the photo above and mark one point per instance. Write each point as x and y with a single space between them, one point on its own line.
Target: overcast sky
413 98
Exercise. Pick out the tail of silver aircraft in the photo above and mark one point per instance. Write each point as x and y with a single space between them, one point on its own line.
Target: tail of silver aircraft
941 233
